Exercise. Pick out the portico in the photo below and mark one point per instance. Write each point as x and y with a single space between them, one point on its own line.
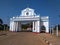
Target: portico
29 15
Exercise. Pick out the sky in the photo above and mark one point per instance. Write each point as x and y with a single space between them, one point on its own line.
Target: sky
10 8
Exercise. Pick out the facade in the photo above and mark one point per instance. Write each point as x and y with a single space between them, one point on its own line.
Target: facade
29 15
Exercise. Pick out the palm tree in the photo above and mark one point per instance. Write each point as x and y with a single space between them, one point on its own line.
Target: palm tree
1 22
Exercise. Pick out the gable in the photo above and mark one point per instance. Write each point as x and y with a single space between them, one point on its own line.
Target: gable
28 12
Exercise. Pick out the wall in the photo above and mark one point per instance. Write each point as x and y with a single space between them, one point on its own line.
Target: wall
46 24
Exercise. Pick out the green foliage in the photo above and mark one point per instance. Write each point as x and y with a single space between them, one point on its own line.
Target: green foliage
1 27
25 26
6 27
56 26
1 22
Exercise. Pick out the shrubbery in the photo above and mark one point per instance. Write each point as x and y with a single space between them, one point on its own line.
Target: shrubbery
58 27
3 26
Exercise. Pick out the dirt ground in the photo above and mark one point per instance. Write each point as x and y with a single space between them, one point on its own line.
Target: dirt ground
28 38
20 38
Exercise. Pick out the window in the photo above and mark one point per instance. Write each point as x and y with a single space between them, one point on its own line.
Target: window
27 13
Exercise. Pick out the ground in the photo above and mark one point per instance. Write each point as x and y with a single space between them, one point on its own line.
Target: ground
28 38
20 38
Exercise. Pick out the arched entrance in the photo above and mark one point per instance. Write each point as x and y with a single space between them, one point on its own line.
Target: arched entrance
43 29
29 15
26 27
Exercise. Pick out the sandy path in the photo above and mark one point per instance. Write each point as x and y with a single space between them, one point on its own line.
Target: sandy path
21 38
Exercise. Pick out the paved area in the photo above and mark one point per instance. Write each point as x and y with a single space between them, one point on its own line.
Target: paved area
20 38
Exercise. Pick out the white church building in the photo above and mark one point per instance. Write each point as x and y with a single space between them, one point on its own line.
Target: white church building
29 15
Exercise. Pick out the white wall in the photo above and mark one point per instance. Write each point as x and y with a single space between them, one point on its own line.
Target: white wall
46 24
12 26
36 26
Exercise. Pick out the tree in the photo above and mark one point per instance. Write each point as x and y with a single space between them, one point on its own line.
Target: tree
5 27
56 26
1 22
1 26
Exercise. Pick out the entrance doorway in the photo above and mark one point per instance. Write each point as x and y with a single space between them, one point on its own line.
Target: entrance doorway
26 26
43 29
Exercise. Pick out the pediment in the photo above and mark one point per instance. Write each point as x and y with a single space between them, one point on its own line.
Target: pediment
27 12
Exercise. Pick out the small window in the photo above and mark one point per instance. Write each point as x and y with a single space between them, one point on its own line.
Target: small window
27 13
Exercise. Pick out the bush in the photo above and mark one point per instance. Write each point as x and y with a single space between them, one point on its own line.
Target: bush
56 26
1 27
4 27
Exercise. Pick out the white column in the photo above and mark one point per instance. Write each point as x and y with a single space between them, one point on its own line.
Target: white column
46 24
17 26
10 26
47 27
14 26
37 26
57 31
33 26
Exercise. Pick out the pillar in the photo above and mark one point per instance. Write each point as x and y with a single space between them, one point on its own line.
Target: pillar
46 24
12 26
57 31
33 27
37 25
